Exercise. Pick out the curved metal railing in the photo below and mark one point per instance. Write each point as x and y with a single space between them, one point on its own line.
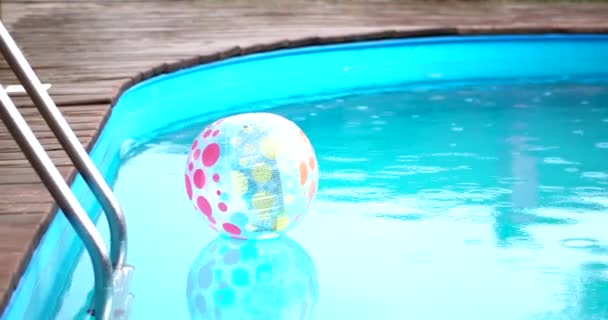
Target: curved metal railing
106 267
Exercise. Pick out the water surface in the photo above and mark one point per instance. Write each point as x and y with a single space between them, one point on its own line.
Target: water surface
460 202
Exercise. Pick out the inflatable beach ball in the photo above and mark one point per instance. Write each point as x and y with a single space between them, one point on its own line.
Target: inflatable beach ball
252 175
246 280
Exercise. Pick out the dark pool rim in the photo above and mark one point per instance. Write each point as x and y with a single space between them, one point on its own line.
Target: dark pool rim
360 39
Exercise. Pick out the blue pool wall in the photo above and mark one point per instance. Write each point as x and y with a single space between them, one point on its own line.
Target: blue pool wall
235 84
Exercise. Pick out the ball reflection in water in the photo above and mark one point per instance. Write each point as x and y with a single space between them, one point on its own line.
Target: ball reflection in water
238 279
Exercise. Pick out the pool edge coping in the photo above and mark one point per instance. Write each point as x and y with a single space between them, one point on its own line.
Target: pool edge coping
238 51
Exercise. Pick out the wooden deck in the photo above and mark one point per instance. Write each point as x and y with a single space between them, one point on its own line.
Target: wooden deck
92 50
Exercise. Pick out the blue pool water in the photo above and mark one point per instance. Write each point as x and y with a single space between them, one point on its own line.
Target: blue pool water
472 185
488 200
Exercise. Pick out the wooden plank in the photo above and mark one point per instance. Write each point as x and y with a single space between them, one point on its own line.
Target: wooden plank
24 175
40 126
19 234
47 142
16 229
82 111
19 155
45 133
21 163
25 207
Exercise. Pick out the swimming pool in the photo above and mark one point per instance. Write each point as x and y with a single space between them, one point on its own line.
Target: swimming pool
459 176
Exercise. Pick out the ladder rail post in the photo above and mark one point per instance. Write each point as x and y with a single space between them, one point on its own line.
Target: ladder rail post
71 144
66 200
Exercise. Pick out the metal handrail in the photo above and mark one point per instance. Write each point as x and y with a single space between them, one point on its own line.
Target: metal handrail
71 144
105 267
66 200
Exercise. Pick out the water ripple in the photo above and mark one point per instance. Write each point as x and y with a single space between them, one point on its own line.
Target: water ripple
595 175
595 266
408 158
579 243
409 170
552 189
357 193
555 216
542 148
557 160
549 270
347 175
454 154
401 217
343 159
